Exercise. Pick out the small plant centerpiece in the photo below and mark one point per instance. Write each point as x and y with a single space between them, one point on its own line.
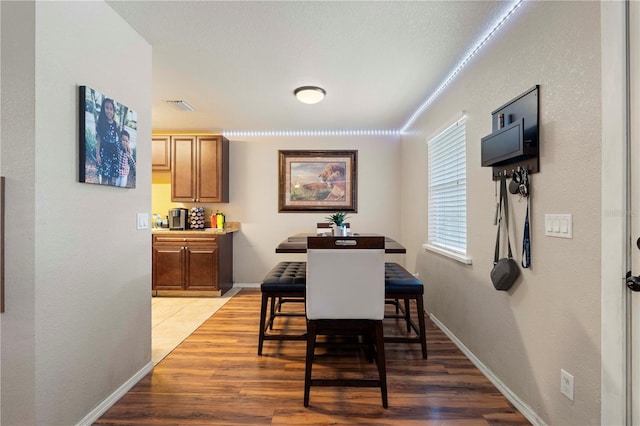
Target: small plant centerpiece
337 219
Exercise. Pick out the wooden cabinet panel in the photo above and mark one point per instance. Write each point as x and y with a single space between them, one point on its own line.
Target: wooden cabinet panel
192 263
161 153
183 169
200 169
209 181
201 267
167 266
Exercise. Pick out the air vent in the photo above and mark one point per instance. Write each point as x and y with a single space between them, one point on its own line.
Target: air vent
181 105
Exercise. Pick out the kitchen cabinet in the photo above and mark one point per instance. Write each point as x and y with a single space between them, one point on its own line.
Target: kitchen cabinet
161 153
191 263
200 169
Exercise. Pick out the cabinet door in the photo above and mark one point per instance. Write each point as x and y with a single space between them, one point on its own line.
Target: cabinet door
168 261
161 153
211 171
201 266
183 169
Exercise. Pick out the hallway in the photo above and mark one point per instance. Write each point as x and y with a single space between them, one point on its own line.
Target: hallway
215 377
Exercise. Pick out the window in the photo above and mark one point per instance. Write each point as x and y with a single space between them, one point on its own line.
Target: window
448 193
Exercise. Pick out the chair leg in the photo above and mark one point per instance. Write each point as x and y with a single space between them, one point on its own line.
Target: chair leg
272 312
381 361
422 325
311 345
407 313
263 317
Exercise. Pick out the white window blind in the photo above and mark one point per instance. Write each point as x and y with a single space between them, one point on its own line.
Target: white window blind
448 190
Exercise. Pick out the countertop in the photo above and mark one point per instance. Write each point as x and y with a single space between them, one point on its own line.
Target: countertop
229 227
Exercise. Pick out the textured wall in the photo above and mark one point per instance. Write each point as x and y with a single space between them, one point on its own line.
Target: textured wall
78 320
551 317
254 196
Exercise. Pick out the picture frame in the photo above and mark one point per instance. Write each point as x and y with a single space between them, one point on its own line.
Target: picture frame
107 140
318 181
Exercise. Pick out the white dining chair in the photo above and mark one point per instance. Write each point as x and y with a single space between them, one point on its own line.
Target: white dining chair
345 295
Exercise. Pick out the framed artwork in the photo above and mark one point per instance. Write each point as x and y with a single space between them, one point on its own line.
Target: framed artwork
318 181
107 138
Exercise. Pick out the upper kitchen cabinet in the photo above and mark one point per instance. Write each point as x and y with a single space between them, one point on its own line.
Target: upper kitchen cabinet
161 153
200 169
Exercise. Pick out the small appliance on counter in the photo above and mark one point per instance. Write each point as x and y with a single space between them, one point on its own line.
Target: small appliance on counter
178 219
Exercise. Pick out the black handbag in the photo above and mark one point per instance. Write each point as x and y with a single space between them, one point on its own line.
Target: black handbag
505 270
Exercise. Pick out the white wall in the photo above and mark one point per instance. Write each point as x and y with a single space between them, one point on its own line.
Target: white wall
551 318
0 175
254 196
18 145
78 317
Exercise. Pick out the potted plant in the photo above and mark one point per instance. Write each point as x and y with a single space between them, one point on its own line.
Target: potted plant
337 219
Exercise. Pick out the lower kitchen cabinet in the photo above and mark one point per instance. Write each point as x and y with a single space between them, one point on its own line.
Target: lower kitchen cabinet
189 264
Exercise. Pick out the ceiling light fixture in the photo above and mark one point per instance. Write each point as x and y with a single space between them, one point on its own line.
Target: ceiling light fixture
181 105
310 94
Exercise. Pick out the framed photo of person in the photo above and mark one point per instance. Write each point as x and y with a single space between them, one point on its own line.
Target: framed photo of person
107 140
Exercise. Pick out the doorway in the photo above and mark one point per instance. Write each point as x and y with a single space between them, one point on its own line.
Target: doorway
620 215
633 376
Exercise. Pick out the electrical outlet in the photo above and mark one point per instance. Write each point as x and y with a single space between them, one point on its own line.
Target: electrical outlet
566 384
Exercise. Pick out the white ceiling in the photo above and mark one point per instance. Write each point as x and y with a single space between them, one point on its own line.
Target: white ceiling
238 62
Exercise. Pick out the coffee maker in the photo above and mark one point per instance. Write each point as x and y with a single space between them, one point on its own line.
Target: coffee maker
178 219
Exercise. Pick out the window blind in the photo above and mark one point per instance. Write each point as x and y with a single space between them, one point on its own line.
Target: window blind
448 189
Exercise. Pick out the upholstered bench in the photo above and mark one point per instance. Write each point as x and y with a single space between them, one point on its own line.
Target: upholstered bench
400 284
286 282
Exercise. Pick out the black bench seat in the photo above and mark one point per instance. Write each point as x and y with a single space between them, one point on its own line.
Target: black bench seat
286 282
400 284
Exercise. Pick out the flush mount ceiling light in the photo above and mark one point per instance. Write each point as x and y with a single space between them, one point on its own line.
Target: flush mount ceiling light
309 94
181 105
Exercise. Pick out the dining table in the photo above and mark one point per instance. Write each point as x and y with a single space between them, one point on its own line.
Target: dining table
298 244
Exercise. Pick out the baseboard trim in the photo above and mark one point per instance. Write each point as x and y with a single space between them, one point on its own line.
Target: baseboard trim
95 414
504 389
247 285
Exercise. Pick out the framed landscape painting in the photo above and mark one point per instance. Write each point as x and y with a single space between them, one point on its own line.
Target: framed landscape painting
317 181
107 140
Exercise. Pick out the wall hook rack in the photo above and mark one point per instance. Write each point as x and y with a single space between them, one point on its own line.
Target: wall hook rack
514 141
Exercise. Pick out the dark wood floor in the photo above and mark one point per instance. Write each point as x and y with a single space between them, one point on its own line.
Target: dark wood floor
215 377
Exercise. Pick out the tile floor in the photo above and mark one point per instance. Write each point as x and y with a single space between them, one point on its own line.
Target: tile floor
173 319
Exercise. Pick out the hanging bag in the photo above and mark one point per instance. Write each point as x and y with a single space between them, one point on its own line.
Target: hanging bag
505 270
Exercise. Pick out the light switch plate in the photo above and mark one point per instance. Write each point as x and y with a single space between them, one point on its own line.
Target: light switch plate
558 225
142 221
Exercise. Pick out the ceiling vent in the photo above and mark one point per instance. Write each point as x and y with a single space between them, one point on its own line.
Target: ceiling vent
181 105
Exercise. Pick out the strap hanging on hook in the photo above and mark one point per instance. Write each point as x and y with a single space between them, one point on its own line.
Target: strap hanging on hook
523 188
